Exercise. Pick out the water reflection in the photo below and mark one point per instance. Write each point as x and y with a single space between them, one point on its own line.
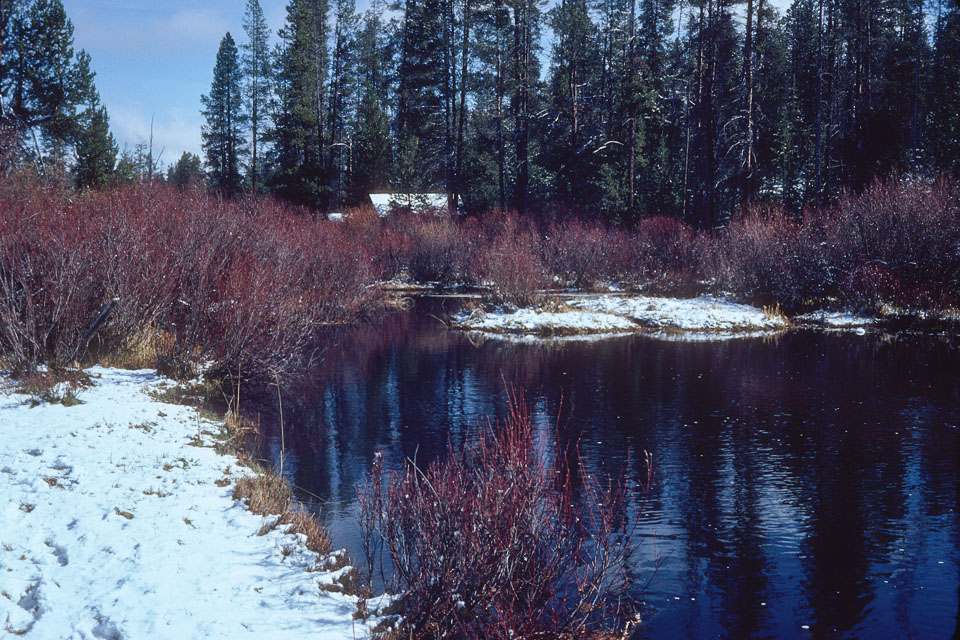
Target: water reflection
807 485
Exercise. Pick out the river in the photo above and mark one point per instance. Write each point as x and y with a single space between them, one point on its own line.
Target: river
807 485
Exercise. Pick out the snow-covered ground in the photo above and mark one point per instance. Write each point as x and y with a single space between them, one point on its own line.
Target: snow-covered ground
611 314
542 322
706 313
113 526
836 320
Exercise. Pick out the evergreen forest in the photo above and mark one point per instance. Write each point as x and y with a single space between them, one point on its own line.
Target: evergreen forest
613 109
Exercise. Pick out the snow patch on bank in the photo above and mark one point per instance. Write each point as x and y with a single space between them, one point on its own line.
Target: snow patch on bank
836 320
706 313
607 314
542 340
542 322
113 526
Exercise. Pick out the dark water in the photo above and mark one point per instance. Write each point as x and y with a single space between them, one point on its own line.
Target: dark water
806 486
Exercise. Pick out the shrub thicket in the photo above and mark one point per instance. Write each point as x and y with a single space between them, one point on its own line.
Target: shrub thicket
247 281
504 539
242 282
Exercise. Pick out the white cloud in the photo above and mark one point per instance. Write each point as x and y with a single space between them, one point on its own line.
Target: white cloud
148 34
175 129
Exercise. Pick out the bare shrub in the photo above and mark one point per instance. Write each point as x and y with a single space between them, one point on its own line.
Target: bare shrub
246 281
896 243
508 261
582 254
759 256
666 252
503 539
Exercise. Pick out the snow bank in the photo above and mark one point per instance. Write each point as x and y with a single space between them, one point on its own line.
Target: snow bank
541 322
706 313
836 320
113 526
542 340
612 314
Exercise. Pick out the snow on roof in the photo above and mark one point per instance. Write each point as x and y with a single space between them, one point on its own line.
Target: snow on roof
416 202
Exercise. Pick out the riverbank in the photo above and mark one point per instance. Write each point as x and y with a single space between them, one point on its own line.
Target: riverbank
119 521
610 315
701 318
248 283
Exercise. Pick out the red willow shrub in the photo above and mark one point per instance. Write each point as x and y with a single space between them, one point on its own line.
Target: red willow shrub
897 243
582 254
240 282
666 252
760 255
436 253
49 288
503 539
508 260
248 281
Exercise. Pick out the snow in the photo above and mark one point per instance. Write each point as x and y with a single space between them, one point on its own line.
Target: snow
836 320
113 526
706 313
541 340
710 317
542 322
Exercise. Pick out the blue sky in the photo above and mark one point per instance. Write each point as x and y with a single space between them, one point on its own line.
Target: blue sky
154 59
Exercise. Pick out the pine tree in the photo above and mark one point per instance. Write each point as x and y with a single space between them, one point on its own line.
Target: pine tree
257 74
300 81
38 74
126 171
527 17
423 91
223 134
574 81
187 172
943 130
372 147
343 98
95 147
654 111
7 49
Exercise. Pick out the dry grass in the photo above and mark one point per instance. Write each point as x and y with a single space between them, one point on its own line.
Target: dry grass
306 524
775 311
56 386
141 350
264 494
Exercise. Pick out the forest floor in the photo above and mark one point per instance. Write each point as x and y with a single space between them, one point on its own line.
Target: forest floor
118 522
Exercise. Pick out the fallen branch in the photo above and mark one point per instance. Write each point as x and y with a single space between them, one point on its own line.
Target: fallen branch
92 330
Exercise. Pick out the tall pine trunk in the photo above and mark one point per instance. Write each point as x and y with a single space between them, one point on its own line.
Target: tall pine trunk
521 40
748 65
464 54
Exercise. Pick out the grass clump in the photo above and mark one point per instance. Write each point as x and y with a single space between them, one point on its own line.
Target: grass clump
56 386
266 494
